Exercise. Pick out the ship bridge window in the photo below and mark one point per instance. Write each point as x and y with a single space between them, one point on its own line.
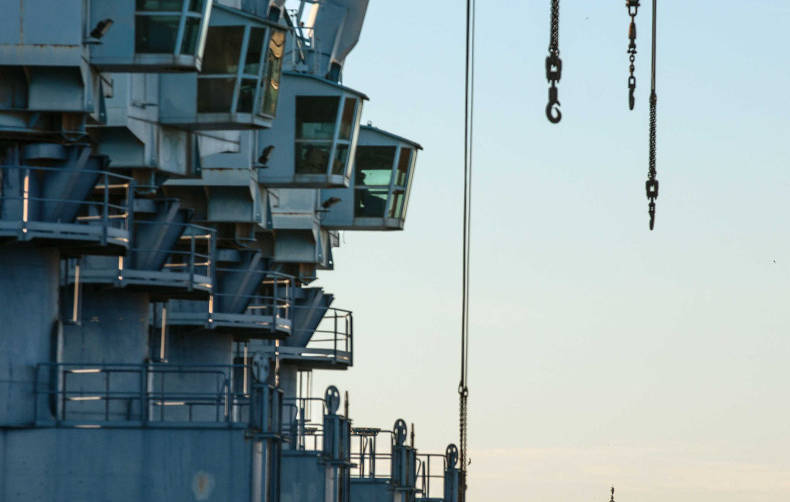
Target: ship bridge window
241 70
324 131
169 26
381 183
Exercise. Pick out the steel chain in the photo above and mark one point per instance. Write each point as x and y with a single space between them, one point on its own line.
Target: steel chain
651 185
633 7
554 65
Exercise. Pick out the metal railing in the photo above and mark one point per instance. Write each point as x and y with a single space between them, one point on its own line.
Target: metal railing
28 211
303 431
332 340
371 453
135 394
430 476
269 309
189 264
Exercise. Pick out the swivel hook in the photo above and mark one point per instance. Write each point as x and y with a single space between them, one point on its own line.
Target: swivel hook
553 112
553 76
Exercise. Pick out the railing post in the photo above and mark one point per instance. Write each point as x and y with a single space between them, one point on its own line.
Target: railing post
63 394
191 263
35 393
105 209
144 411
24 202
334 337
130 211
275 310
107 396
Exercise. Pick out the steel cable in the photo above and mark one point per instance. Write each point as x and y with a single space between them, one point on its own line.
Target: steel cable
463 385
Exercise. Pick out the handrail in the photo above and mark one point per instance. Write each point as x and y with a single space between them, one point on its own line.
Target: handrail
22 203
332 339
188 265
426 473
145 393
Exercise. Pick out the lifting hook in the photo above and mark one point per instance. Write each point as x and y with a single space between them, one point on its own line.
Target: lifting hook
553 76
553 112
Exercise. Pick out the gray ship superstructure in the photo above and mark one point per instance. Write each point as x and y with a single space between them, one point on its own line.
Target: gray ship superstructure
173 176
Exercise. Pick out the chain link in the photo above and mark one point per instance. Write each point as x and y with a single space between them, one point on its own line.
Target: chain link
633 8
651 185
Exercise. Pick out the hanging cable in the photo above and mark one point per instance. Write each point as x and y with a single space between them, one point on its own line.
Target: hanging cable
633 7
651 185
463 385
554 65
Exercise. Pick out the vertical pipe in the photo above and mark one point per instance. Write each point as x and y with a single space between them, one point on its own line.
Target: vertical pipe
105 209
244 385
191 263
163 333
74 309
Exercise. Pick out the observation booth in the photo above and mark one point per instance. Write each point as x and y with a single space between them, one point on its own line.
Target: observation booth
378 195
239 80
313 139
148 35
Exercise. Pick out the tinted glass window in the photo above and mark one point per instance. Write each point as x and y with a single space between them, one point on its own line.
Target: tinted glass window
160 5
223 49
246 95
316 116
155 34
312 158
215 95
370 203
191 32
347 121
397 204
252 63
403 166
341 159
374 165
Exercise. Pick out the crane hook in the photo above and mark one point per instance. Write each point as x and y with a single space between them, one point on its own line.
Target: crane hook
553 112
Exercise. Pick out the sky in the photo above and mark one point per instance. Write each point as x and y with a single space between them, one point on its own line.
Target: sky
601 353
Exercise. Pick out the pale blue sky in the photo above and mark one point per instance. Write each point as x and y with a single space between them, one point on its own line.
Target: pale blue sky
601 353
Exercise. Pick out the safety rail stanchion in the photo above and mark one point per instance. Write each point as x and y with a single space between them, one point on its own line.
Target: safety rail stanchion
191 262
105 209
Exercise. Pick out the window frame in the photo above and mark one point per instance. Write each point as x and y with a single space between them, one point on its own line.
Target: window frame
391 187
239 76
182 15
335 141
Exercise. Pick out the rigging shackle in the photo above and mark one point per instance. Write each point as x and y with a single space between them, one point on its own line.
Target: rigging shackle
553 75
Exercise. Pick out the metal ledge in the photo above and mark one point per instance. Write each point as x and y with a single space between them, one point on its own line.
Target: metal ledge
68 233
161 284
250 326
309 358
